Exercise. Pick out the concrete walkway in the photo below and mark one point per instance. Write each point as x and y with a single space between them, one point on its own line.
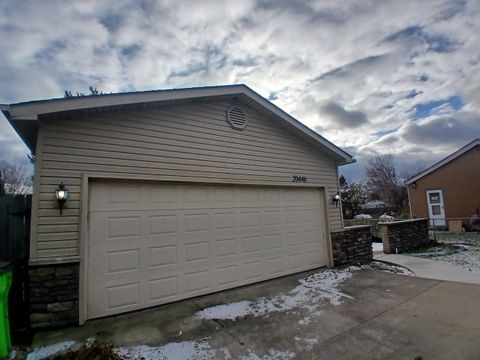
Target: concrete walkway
431 269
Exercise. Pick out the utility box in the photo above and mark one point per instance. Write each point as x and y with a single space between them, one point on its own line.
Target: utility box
455 226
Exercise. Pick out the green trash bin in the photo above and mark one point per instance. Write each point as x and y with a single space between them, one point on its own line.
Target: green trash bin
5 282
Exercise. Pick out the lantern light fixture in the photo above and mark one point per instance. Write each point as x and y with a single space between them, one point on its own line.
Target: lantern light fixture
336 198
61 194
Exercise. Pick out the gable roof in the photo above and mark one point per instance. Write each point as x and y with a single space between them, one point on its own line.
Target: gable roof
24 116
456 154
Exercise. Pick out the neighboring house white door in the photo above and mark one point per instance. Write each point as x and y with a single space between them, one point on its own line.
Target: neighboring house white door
152 243
436 210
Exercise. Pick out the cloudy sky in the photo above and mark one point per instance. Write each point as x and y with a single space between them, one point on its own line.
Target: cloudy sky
373 76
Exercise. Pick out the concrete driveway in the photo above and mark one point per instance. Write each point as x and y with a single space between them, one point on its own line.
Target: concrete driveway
351 313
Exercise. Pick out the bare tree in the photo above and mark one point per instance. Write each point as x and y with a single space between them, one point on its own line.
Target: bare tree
382 181
15 178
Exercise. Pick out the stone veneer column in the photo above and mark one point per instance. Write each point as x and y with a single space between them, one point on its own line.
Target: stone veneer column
54 294
352 245
400 236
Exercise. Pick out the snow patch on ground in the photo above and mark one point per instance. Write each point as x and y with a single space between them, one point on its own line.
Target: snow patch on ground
377 247
46 351
271 355
310 342
176 351
380 266
305 321
321 285
226 311
469 259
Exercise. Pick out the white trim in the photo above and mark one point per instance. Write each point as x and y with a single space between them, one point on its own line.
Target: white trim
32 110
83 275
36 198
326 215
436 220
469 146
409 201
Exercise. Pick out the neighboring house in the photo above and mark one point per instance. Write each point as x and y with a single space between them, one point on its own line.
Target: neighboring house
374 204
449 191
172 194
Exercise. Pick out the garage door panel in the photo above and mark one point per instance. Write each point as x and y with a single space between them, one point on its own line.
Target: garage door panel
123 260
253 269
105 229
251 244
293 238
295 260
165 224
226 247
225 221
122 296
273 241
161 256
228 275
166 195
275 265
162 289
197 281
249 218
171 241
197 251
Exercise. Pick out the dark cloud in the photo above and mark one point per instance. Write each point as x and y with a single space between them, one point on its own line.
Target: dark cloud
342 117
273 96
297 6
413 93
346 70
450 10
440 43
455 131
245 62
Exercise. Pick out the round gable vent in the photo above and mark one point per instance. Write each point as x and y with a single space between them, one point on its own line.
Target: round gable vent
236 118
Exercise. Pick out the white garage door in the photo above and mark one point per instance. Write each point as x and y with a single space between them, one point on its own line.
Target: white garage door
152 243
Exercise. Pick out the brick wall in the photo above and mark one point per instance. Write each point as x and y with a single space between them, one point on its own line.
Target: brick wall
353 244
400 236
54 295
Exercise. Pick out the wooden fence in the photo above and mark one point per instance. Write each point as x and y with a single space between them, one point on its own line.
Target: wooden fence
14 246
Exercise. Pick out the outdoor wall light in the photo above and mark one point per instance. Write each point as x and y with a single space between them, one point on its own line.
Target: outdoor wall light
62 195
336 198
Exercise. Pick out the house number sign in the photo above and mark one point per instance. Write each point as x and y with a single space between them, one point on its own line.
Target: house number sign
299 179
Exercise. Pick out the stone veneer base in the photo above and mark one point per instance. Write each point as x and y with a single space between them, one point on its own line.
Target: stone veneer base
352 245
400 236
54 294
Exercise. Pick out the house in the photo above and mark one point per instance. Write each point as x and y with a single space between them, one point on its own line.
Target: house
374 204
171 194
448 192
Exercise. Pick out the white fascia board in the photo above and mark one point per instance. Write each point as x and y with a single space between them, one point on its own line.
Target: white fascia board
31 110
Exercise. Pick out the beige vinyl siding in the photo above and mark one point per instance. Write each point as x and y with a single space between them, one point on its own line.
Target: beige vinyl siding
187 142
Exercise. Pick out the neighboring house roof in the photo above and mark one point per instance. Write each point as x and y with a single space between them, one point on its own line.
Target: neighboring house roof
456 154
23 116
